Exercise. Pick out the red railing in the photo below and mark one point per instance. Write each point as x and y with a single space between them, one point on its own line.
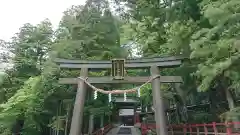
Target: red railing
230 128
103 131
136 118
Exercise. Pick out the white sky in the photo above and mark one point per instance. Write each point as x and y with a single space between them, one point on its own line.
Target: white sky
15 13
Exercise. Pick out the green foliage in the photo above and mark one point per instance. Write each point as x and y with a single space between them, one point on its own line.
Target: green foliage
216 47
94 33
26 102
2 77
23 89
206 31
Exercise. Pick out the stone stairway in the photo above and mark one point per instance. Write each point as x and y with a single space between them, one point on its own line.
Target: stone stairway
124 130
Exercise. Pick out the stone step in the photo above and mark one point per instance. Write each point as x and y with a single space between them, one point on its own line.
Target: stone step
124 130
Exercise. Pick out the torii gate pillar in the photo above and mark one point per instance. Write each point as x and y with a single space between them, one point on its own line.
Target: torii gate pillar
77 118
161 125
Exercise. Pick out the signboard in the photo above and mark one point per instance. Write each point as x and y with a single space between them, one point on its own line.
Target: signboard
118 69
126 112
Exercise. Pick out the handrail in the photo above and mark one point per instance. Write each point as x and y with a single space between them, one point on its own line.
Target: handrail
227 128
103 130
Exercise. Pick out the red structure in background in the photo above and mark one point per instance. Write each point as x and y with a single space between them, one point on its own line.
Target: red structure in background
187 129
103 130
136 118
198 129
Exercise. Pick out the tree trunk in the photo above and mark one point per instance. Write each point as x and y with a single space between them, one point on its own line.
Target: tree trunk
229 97
230 100
18 126
231 106
181 103
180 92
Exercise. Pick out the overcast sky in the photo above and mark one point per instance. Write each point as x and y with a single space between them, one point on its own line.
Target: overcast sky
14 13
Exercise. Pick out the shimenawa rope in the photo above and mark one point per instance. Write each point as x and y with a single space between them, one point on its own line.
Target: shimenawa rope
117 91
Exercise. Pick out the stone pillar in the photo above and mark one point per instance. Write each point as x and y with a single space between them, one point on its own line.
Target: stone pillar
77 117
91 117
109 118
154 101
159 104
102 121
91 124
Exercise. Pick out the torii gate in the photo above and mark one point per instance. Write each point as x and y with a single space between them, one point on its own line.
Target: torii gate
118 67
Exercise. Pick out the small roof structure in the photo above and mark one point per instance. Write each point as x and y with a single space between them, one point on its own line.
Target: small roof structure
129 103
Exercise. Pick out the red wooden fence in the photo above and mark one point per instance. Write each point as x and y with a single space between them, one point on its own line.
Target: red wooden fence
214 128
103 130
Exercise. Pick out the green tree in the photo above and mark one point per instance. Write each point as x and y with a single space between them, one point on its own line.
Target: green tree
30 47
196 29
217 48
